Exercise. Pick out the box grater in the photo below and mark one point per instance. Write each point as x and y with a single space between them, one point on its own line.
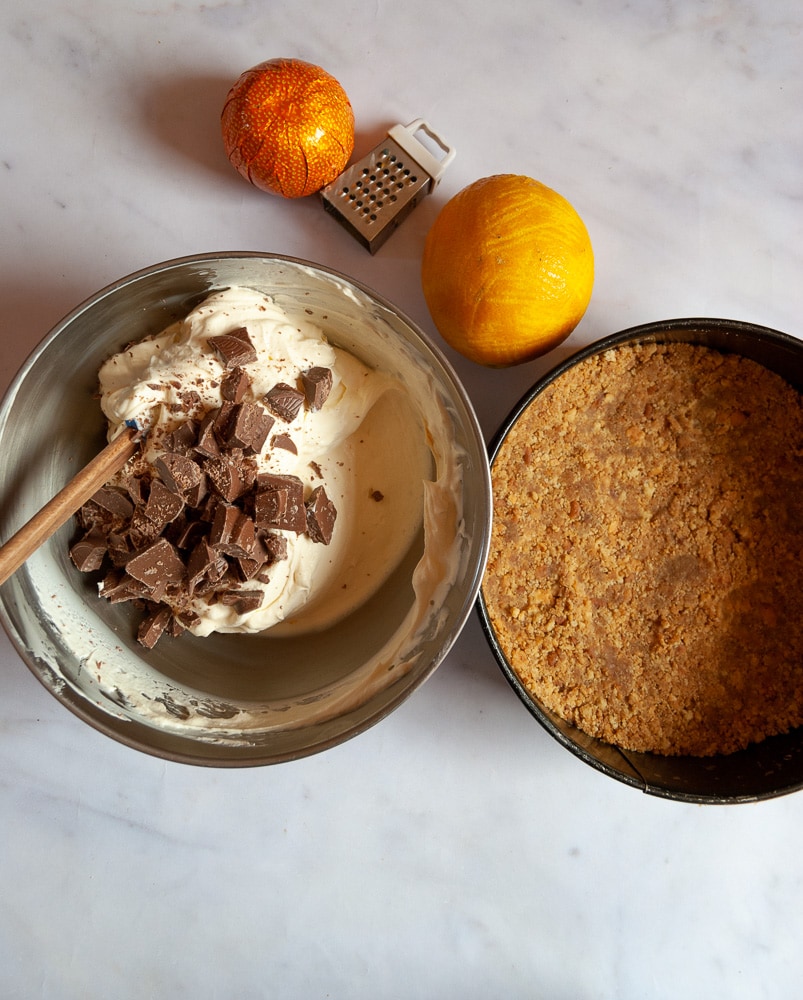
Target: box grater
372 197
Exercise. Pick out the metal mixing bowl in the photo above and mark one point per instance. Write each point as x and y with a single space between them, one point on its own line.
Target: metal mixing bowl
227 700
764 770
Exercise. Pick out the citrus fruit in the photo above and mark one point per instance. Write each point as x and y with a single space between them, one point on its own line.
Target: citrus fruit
507 270
288 127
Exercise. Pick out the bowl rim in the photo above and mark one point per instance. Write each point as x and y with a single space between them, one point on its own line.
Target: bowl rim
197 752
628 767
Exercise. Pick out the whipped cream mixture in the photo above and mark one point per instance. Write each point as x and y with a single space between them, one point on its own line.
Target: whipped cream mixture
357 445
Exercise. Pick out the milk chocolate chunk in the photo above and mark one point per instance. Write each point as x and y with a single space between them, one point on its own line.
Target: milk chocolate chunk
207 445
134 487
190 534
153 626
321 516
285 442
113 500
182 438
242 601
275 546
227 477
204 566
279 503
120 546
118 587
163 504
179 473
157 567
234 349
235 384
220 422
142 530
285 401
248 566
233 532
175 627
247 428
89 552
317 384
223 524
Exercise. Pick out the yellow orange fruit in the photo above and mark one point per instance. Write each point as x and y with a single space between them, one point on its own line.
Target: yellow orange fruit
507 270
288 127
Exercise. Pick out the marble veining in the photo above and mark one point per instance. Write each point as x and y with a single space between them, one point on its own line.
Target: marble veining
454 849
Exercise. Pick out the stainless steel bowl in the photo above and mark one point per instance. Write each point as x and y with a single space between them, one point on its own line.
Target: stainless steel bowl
767 769
227 700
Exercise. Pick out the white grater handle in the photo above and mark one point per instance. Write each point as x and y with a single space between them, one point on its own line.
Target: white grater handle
405 136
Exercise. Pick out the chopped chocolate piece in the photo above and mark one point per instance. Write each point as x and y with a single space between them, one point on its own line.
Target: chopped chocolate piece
153 627
234 349
223 524
285 442
317 384
247 428
175 627
163 504
90 516
191 533
227 476
120 547
285 401
204 566
195 495
118 587
142 530
275 546
247 569
242 601
248 566
182 438
220 422
207 444
279 503
179 473
207 507
134 486
188 617
232 533
89 552
316 469
113 500
189 401
321 516
156 567
235 384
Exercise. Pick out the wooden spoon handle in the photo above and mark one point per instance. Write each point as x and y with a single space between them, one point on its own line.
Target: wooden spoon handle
67 501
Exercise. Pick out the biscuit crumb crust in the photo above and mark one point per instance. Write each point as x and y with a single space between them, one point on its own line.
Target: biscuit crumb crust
645 578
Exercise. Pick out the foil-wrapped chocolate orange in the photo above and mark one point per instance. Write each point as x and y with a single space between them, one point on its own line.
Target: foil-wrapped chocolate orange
288 127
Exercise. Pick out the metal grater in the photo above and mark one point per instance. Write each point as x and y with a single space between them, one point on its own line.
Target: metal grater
375 195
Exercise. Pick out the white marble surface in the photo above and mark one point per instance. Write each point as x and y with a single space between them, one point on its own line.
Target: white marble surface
454 850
